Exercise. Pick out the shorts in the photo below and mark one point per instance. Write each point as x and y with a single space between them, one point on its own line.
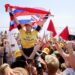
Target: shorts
28 51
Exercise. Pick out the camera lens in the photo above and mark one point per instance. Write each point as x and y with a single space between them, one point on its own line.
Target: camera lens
38 66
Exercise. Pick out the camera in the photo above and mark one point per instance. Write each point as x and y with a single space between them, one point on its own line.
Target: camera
38 66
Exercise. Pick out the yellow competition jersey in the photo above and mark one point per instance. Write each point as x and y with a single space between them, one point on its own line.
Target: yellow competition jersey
28 39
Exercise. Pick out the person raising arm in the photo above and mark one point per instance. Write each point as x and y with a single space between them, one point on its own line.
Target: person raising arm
28 37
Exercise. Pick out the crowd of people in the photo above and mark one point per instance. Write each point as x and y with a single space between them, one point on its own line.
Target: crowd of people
36 56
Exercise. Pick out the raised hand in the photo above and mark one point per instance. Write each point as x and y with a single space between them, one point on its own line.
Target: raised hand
69 47
8 8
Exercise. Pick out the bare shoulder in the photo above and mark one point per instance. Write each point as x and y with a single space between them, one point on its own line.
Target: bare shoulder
21 70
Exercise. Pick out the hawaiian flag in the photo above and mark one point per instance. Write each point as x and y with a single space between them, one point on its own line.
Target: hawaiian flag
26 15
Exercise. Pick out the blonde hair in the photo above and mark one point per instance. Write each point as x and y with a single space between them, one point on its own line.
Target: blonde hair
18 70
52 63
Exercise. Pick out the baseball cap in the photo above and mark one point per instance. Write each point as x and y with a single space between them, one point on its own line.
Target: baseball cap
46 50
28 24
18 53
61 45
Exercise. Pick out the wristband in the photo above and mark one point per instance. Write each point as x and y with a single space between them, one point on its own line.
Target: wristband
46 17
11 14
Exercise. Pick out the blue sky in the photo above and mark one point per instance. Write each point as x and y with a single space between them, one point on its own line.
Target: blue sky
63 11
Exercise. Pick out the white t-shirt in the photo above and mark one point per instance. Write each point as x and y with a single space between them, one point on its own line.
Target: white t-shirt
68 71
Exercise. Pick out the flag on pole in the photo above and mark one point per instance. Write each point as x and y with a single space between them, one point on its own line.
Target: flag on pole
51 28
65 33
26 15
